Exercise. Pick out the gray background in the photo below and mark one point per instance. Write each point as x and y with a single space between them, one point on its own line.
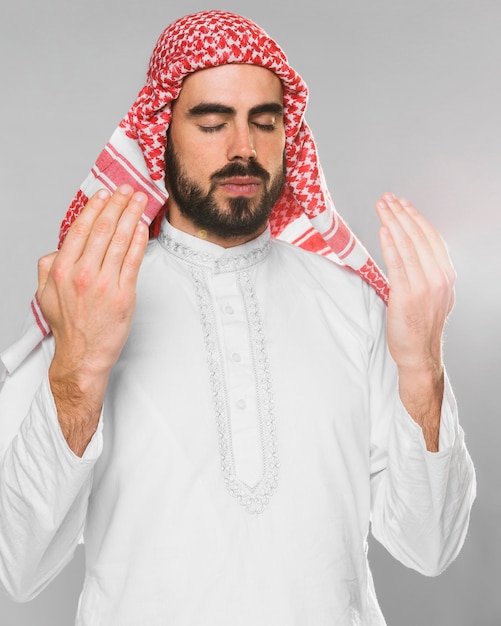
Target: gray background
405 96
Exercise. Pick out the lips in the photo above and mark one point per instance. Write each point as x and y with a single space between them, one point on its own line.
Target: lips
241 185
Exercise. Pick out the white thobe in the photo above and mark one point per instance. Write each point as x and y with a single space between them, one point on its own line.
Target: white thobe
251 434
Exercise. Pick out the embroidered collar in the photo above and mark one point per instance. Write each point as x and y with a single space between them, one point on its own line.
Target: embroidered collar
211 256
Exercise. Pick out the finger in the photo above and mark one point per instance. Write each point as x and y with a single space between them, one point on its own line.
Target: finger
395 267
124 232
425 237
429 245
404 224
422 252
437 243
78 234
134 257
444 275
399 247
104 227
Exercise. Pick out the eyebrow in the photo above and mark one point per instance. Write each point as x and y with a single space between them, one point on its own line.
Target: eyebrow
206 108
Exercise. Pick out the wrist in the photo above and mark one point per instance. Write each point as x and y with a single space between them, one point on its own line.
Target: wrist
425 375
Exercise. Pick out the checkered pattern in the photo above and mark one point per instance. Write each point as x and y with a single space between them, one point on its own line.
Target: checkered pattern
304 215
135 153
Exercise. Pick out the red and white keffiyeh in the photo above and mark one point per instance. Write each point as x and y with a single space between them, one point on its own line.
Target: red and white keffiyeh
304 214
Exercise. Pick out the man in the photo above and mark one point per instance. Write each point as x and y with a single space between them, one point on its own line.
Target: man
217 412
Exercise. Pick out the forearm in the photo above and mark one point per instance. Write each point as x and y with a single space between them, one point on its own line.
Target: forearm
78 398
421 393
44 490
422 501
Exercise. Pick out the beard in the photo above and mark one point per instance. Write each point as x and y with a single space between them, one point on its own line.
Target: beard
242 216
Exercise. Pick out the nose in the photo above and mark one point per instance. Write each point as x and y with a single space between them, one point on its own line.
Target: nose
241 145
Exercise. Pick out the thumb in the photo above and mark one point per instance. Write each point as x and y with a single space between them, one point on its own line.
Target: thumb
44 266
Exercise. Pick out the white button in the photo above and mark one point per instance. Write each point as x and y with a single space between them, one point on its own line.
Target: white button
241 404
229 309
236 357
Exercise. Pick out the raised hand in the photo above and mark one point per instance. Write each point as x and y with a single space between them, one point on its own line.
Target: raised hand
422 282
87 293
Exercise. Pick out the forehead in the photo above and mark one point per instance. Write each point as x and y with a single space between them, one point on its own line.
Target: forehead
233 84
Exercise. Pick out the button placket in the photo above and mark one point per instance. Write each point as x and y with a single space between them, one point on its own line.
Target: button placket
247 437
241 382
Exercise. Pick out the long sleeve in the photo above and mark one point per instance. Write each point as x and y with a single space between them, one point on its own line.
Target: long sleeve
421 501
44 487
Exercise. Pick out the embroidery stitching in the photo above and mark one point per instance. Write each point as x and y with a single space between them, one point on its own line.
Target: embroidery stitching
253 499
213 263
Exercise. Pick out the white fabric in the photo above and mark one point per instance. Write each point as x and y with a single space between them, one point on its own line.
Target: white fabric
167 544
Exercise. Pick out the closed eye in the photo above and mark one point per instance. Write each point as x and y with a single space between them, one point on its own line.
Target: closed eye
211 129
267 118
266 127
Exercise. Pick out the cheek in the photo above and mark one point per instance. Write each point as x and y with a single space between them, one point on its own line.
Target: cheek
198 162
204 158
277 164
273 152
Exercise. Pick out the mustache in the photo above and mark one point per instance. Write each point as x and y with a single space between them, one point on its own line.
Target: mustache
251 168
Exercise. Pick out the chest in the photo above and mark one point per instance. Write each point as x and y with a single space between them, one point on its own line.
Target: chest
239 378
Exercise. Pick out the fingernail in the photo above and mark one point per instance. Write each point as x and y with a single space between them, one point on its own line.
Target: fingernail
103 194
139 196
381 204
124 189
389 196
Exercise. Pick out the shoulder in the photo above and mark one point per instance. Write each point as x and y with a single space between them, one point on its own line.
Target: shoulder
320 270
312 272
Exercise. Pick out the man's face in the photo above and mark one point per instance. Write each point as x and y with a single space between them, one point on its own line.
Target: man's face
225 152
